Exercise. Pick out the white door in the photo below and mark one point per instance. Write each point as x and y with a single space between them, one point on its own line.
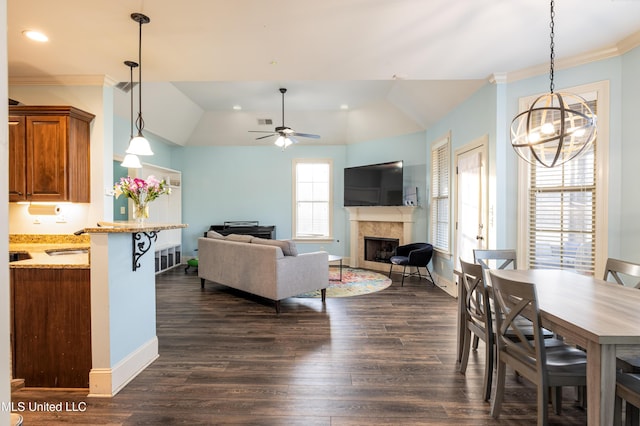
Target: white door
471 205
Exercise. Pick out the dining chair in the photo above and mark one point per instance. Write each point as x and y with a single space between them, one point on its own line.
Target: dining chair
478 320
625 273
496 259
618 269
549 368
628 390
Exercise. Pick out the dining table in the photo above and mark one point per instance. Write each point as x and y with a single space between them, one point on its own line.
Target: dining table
597 315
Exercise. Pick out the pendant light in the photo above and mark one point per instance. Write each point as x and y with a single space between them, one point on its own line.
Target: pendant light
556 128
131 161
138 144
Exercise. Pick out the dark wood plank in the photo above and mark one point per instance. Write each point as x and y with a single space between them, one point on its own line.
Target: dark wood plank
387 358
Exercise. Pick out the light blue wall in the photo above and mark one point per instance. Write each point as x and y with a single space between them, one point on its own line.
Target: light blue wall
411 149
132 303
223 183
630 153
470 121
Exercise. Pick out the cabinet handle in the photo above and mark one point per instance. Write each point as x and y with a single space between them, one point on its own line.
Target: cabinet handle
19 193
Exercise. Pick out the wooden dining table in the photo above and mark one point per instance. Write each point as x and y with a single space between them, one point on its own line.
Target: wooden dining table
600 316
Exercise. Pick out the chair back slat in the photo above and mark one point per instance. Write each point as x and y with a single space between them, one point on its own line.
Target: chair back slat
618 269
512 300
476 297
496 259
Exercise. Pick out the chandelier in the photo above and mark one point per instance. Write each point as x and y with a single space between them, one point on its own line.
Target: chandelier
557 127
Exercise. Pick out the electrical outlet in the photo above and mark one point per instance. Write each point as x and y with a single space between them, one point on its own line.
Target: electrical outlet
123 210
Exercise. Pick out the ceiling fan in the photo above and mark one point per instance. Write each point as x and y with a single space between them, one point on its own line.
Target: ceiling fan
285 134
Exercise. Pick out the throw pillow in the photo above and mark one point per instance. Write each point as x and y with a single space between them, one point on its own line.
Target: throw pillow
240 238
288 247
214 234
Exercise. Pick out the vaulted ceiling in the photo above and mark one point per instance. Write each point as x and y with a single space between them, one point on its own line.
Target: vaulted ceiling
399 65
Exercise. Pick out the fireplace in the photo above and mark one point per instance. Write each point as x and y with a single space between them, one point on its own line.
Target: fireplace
380 222
378 249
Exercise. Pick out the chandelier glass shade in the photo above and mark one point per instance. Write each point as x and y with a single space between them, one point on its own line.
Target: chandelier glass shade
557 127
131 161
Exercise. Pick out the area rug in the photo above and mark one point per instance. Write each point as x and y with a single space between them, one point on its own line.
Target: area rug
355 282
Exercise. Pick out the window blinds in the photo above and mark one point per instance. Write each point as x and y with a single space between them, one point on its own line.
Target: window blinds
440 196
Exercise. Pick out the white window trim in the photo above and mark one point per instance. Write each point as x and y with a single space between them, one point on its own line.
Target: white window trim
294 206
601 89
435 145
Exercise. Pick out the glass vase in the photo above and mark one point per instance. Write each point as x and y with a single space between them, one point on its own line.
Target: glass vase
140 212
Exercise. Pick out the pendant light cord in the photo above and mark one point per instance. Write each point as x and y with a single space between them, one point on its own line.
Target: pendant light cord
140 121
551 45
131 106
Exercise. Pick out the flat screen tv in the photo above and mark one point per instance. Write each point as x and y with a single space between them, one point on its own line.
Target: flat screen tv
373 185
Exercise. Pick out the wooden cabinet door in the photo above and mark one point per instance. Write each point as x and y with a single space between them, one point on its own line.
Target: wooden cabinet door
17 159
52 327
47 158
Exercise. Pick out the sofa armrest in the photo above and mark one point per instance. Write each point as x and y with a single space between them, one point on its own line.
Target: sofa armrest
302 273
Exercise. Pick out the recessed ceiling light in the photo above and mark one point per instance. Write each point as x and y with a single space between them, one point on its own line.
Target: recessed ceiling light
237 107
344 106
35 35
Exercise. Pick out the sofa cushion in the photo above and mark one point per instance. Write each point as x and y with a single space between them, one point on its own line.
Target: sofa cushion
240 238
288 247
214 234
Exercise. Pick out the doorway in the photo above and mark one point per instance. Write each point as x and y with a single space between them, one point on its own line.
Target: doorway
471 199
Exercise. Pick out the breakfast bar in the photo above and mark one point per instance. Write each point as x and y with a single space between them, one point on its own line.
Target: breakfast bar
123 309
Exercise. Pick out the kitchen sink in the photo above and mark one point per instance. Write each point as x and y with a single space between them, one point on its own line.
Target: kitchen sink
63 252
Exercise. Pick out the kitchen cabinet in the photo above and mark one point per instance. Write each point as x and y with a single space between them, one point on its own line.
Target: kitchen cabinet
49 154
51 326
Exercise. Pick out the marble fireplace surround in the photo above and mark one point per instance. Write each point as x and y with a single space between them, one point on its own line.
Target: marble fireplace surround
383 222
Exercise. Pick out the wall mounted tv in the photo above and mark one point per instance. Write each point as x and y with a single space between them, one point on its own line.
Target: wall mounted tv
373 185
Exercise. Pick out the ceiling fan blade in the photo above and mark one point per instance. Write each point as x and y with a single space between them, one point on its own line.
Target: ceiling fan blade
267 136
305 135
260 131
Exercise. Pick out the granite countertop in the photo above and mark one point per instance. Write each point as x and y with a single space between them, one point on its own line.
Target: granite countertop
37 246
131 227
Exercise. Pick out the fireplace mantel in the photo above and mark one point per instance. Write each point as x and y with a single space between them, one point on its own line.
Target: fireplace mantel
382 213
387 214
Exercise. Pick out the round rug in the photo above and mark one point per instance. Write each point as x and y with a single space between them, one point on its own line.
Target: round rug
355 282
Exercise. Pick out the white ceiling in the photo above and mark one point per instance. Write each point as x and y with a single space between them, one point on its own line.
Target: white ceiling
400 65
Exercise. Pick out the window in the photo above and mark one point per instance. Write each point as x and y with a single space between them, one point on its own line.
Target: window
313 200
440 194
565 222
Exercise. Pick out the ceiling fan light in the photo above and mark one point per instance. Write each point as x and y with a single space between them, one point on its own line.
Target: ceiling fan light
131 161
280 142
139 146
287 142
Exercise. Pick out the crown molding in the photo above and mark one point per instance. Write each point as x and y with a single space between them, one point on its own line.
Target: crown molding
620 48
63 80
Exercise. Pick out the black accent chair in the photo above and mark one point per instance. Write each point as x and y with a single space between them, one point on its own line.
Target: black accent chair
414 254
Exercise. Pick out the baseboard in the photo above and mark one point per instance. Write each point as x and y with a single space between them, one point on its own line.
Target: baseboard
107 382
449 287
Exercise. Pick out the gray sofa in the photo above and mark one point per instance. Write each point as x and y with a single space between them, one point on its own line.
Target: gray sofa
268 268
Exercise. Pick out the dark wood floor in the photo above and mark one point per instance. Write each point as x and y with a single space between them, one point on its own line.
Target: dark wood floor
382 359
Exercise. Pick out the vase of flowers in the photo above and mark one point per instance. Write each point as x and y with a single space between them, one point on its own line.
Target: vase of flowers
141 193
